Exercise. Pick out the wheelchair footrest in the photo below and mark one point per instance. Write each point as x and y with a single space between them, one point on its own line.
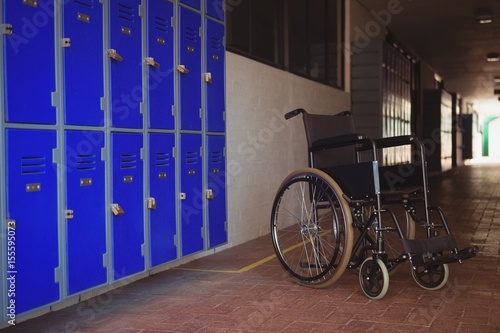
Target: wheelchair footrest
463 254
429 245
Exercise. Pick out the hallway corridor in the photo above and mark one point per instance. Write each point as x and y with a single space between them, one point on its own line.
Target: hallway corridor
244 289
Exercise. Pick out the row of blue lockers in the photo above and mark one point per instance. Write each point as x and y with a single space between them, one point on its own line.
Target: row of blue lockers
116 56
101 219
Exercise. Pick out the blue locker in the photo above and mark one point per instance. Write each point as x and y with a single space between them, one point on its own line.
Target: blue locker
161 64
32 207
162 203
215 9
216 190
83 62
128 204
192 197
125 63
85 210
214 78
193 3
190 69
29 53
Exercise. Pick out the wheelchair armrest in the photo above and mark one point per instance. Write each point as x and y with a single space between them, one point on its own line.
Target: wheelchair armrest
340 141
395 141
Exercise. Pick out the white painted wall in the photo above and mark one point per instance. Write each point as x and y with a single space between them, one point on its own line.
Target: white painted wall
262 148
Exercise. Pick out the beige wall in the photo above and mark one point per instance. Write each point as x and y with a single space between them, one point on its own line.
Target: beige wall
262 148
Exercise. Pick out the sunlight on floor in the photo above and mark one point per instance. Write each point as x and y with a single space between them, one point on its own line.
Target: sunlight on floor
483 160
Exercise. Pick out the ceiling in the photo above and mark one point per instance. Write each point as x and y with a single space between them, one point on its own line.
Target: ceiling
446 35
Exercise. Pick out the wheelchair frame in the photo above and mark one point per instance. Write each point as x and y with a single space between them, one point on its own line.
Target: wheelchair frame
346 190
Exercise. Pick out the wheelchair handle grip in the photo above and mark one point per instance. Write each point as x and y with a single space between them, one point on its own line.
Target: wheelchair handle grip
294 113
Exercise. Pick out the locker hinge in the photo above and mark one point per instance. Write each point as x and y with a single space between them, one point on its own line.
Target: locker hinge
7 29
173 110
103 154
173 153
176 241
103 103
225 225
143 250
11 225
56 159
105 260
172 22
58 275
142 11
69 214
66 42
55 99
201 113
142 154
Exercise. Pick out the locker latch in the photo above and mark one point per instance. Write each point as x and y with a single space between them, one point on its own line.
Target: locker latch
208 77
182 196
69 214
117 210
209 194
182 69
11 224
152 203
151 62
114 55
7 29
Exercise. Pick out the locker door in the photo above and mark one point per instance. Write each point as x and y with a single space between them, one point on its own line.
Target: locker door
83 68
128 214
32 204
85 205
190 69
29 53
215 81
125 63
215 9
162 207
193 3
216 187
191 193
161 64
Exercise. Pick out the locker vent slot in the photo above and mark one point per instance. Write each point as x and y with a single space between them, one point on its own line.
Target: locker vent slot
162 159
85 162
86 3
216 43
191 34
125 12
191 157
33 165
161 24
128 161
217 157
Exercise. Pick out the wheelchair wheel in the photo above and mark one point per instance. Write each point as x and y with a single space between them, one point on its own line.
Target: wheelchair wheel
374 278
392 242
432 278
311 228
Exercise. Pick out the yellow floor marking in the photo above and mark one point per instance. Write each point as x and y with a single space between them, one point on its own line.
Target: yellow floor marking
246 268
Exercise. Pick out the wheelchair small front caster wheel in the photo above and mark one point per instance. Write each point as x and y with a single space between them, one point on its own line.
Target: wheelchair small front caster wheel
432 277
374 278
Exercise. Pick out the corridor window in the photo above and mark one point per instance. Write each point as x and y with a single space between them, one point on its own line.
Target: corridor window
300 36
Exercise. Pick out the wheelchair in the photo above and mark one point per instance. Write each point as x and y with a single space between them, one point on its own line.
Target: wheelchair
349 210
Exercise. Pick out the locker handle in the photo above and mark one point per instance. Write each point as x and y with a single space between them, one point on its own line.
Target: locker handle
151 62
152 203
210 195
114 55
208 78
117 210
182 69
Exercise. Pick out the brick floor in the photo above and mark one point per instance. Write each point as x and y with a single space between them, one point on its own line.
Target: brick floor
263 298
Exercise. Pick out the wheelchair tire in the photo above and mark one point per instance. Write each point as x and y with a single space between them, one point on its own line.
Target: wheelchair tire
311 228
374 278
434 278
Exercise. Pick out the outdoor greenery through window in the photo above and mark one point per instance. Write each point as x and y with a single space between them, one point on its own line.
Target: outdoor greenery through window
304 37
